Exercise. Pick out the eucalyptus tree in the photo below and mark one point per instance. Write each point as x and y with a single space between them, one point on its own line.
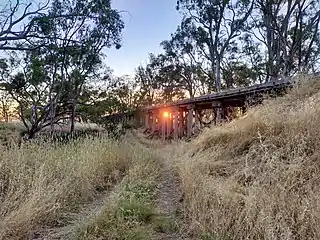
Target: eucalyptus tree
75 33
215 25
6 108
184 58
18 24
145 77
289 31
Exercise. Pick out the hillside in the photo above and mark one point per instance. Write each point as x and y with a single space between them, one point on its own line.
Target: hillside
257 177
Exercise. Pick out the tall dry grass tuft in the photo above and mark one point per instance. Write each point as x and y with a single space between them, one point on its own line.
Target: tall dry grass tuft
258 177
43 184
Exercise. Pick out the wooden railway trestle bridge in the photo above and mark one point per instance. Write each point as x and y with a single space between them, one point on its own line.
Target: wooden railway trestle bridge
178 119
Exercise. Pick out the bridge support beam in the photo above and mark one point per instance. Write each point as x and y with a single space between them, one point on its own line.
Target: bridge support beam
190 120
154 121
146 120
176 124
197 122
169 123
182 117
218 111
125 120
196 119
163 127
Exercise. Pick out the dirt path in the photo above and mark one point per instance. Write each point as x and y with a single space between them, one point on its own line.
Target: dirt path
169 199
81 218
168 204
169 193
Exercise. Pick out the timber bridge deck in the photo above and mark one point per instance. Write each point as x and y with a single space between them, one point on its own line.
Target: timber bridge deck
180 118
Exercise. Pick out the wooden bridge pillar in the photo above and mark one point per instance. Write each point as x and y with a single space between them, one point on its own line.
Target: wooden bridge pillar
176 124
168 126
146 120
154 121
244 109
190 120
182 117
197 117
218 111
163 126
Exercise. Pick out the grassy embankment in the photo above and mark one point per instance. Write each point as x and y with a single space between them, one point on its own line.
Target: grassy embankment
257 177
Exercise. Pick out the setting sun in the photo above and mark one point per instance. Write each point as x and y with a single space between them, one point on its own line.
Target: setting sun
166 115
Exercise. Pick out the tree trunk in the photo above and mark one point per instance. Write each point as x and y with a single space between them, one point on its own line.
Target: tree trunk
218 75
73 116
52 116
32 132
5 112
6 116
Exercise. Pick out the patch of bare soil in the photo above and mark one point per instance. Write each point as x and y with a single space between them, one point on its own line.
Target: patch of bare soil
168 203
169 193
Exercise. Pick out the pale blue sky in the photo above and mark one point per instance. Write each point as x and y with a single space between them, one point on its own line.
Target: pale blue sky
147 24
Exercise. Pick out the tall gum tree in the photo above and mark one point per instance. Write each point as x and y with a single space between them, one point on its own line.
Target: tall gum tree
214 25
73 34
289 31
184 58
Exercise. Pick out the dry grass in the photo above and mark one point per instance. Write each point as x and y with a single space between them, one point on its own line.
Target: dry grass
130 212
10 133
43 185
258 177
254 178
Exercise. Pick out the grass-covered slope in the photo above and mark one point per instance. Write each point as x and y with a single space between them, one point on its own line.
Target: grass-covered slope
258 177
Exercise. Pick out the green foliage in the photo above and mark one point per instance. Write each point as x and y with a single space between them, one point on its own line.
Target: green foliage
73 34
135 211
222 44
238 74
141 192
18 82
217 45
212 27
192 63
206 236
37 71
289 32
112 95
165 224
